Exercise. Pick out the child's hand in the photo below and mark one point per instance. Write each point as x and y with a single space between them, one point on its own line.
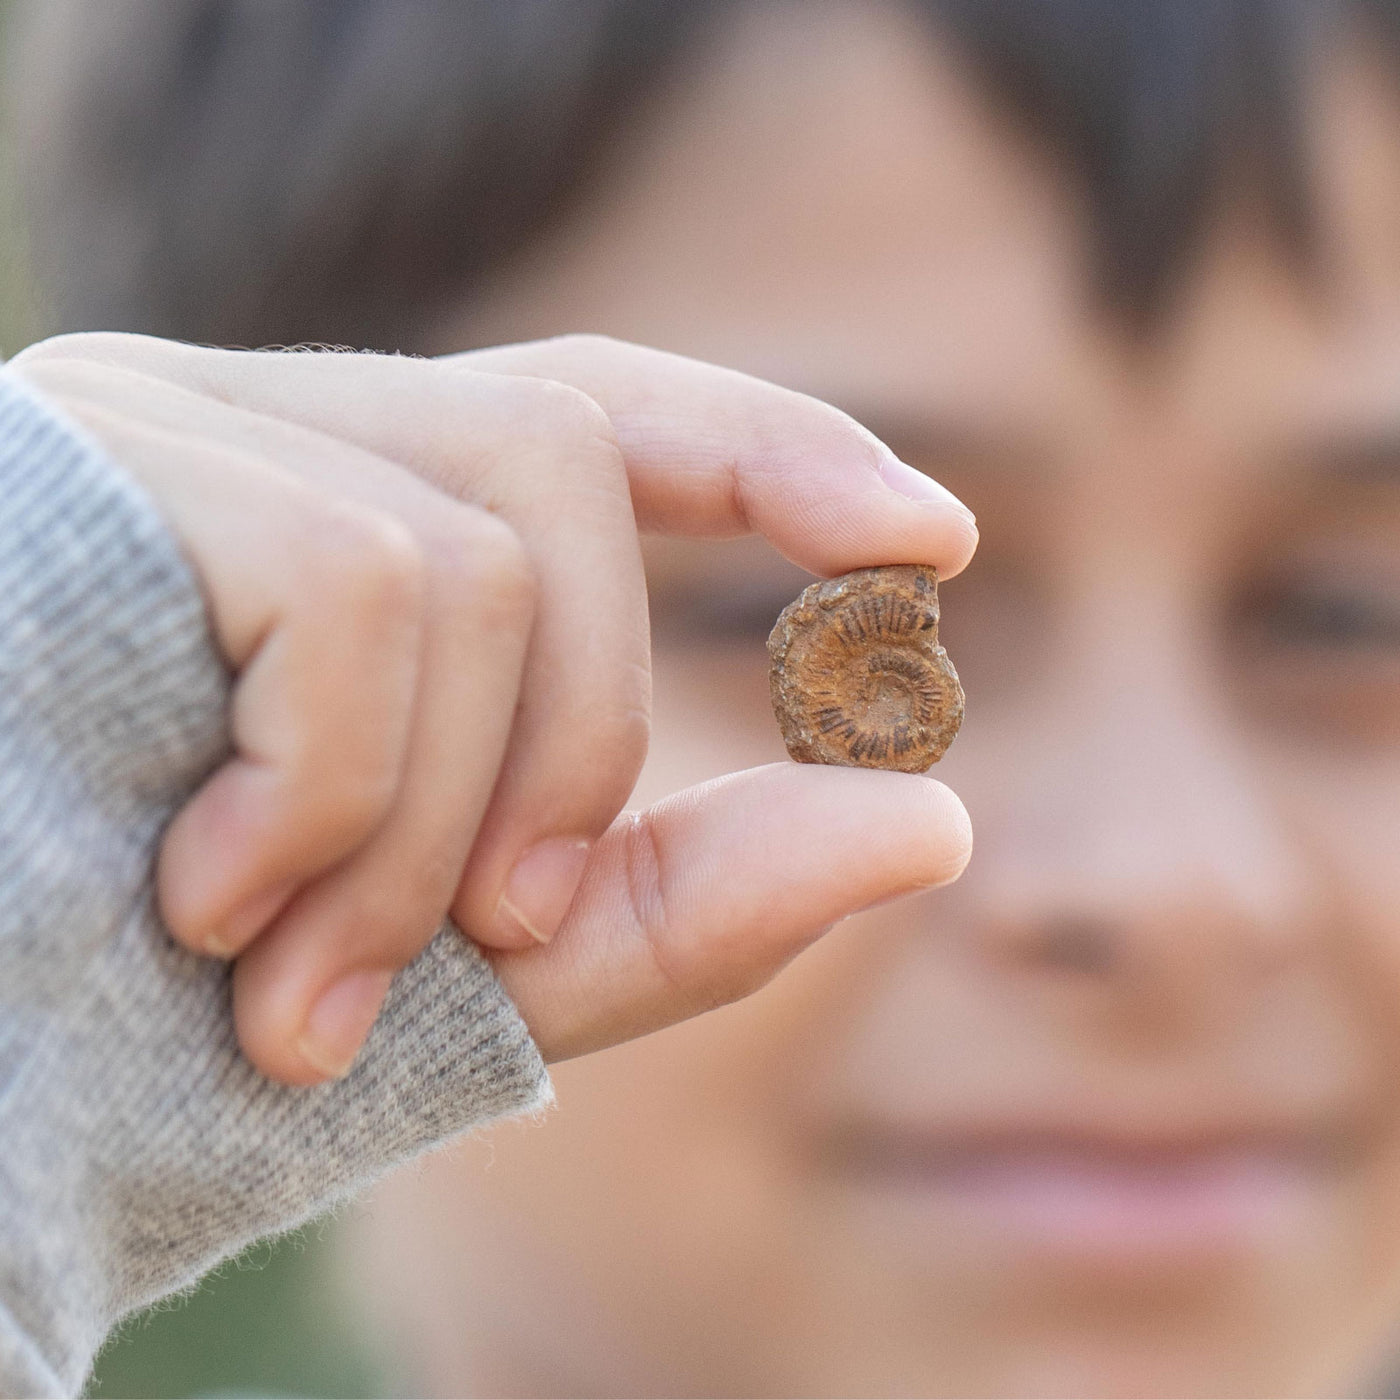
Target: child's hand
426 578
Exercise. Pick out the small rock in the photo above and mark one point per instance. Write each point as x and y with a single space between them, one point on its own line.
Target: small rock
858 677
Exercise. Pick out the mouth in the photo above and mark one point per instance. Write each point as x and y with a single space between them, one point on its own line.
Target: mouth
1090 1197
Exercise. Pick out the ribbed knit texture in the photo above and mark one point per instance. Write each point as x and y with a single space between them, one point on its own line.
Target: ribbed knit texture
137 1146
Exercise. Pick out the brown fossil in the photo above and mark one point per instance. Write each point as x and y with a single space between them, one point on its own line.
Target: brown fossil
858 677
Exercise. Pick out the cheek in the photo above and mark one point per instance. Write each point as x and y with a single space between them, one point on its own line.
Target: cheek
1347 809
1347 812
1363 811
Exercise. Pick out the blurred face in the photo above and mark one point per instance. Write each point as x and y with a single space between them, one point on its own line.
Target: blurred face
1120 1112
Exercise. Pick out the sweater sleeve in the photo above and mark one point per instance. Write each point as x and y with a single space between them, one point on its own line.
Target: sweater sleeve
137 1146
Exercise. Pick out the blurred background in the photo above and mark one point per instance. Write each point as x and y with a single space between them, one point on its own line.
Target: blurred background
1119 1113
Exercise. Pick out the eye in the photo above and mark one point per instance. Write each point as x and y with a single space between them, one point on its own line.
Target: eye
1319 652
1322 613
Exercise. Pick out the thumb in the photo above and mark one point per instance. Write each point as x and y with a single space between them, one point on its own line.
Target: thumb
701 899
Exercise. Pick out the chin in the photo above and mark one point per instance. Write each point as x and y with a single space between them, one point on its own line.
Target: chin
958 1305
1148 1347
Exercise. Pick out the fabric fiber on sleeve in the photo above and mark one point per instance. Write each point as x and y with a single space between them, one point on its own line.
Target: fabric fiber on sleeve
137 1146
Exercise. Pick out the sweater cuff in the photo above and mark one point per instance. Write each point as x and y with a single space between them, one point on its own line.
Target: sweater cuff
137 1146
105 657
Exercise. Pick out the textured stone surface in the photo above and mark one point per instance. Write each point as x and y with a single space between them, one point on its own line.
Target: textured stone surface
858 677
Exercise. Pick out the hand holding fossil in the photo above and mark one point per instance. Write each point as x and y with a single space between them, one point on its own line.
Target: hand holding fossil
426 579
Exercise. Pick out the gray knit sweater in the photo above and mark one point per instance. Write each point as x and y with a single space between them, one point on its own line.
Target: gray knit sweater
137 1146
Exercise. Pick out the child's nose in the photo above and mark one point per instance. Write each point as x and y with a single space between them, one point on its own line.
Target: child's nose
1133 832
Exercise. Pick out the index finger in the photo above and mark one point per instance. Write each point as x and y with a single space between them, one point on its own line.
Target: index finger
708 451
713 452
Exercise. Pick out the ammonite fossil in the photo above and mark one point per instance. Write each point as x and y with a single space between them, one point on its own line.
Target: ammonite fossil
858 676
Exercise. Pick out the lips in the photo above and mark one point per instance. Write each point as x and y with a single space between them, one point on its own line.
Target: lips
1094 1196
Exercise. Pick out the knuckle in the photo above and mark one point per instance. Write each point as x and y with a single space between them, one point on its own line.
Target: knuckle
101 346
479 562
375 565
102 382
337 793
389 923
518 415
569 418
701 976
355 796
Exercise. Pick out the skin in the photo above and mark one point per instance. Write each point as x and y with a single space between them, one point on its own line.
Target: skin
412 665
1118 1113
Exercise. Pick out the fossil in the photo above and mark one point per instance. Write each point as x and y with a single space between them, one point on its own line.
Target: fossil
858 677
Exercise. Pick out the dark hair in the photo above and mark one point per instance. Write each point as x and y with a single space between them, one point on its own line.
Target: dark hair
242 172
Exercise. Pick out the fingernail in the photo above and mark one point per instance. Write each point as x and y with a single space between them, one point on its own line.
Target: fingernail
919 486
340 1019
248 920
542 885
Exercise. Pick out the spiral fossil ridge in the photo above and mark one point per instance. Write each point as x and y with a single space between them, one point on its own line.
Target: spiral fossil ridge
858 677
